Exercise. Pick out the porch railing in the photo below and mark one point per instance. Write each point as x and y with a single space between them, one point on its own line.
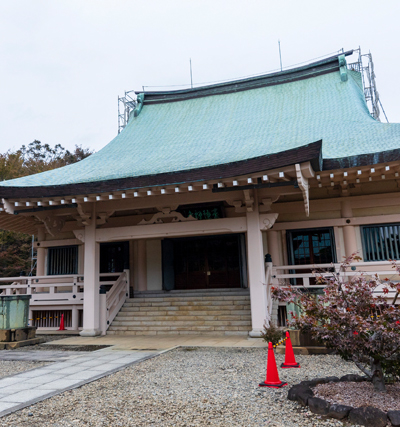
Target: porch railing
66 292
46 290
113 300
286 274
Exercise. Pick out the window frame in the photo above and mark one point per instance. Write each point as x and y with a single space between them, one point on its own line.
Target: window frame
289 241
365 244
50 256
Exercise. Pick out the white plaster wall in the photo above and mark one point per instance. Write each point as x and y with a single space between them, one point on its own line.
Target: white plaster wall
154 265
339 241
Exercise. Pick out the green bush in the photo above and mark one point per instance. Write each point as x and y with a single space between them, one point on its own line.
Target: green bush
272 333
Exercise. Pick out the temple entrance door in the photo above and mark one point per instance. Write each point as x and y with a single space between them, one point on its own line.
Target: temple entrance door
114 257
207 262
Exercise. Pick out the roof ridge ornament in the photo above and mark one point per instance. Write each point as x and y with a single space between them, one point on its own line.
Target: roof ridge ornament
139 104
343 68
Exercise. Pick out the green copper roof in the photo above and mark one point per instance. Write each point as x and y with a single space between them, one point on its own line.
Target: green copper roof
208 130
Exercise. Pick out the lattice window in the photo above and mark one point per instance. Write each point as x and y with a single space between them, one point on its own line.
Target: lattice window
62 260
282 315
381 242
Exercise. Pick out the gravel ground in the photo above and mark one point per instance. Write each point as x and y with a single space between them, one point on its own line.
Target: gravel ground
360 394
11 367
187 387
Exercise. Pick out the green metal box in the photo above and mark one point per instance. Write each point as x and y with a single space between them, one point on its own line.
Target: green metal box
14 311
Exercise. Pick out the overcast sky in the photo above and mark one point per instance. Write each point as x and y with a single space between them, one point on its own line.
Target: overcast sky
63 63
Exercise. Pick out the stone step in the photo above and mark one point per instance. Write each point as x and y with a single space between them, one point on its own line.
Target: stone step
170 315
183 322
188 304
192 293
221 313
180 328
243 312
120 318
186 307
163 333
184 300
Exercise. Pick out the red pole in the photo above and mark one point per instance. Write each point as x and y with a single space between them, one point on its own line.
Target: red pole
62 328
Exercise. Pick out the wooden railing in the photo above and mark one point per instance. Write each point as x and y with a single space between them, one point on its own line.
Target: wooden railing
116 296
113 300
46 290
52 293
285 274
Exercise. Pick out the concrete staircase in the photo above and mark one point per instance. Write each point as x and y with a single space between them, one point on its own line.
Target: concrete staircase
192 312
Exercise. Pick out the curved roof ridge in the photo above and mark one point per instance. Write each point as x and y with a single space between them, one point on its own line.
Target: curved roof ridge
312 69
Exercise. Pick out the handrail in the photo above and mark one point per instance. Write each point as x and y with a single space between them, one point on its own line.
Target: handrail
22 278
332 265
303 267
116 297
117 273
47 290
351 270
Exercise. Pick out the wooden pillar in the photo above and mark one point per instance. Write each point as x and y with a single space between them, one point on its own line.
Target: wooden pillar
256 270
349 232
91 303
135 265
75 318
142 265
132 265
41 253
350 241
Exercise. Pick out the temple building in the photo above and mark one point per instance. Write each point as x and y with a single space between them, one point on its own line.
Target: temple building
207 196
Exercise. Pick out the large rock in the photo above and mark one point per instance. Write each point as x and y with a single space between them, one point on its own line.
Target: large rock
318 406
330 380
394 417
300 393
309 383
339 411
368 416
353 378
314 382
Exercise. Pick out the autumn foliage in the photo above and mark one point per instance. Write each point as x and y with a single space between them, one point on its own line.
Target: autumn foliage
354 317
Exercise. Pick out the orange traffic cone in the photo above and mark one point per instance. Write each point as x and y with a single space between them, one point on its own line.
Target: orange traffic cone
272 379
290 361
62 328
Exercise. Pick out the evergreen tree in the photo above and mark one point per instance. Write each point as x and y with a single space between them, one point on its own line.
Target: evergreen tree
15 248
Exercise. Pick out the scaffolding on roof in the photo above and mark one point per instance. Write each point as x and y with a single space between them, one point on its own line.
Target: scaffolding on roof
365 66
126 104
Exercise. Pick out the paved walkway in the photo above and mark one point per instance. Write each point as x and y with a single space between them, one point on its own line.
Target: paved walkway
164 342
40 356
29 387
